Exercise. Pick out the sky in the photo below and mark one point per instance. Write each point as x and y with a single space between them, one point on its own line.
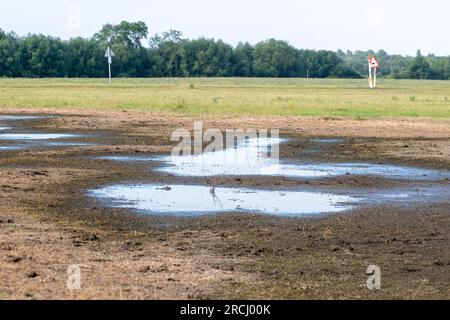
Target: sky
397 26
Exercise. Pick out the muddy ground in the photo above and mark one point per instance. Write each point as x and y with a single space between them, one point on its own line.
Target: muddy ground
47 222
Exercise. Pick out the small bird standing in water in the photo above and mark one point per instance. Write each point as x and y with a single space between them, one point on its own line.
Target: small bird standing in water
213 190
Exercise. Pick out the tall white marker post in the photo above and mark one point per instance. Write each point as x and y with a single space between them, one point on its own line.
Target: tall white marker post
373 64
375 77
109 54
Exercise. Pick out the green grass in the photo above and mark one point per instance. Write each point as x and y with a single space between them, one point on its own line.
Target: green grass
235 96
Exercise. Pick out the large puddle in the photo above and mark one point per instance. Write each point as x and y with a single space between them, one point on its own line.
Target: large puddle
249 159
189 200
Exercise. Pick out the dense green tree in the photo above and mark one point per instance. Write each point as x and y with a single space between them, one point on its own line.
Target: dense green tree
274 58
125 38
419 68
325 63
243 60
43 56
171 55
208 58
398 64
10 62
85 58
343 71
168 54
439 67
130 34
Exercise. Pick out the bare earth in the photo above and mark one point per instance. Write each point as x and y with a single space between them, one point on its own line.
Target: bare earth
48 223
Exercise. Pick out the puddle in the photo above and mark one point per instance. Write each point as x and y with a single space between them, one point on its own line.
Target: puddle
248 159
18 117
189 200
33 139
67 144
44 144
409 195
338 169
126 158
10 148
329 140
245 159
36 136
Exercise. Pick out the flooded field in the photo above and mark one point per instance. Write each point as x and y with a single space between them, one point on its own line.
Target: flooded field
248 158
112 196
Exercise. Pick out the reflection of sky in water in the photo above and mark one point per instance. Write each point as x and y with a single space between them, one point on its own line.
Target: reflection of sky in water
126 158
66 144
336 169
197 200
328 140
44 144
18 118
249 159
36 136
10 148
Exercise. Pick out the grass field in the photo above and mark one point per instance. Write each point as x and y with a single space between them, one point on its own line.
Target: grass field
233 96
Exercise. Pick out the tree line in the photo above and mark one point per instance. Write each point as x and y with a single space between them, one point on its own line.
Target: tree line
171 55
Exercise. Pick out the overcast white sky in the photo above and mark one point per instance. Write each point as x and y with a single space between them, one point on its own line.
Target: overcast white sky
398 26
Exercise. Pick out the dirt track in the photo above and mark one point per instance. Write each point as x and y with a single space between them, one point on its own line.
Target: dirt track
48 223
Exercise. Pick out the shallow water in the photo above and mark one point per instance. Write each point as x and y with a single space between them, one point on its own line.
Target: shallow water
43 144
329 140
10 148
188 200
32 139
66 144
382 170
20 117
248 159
127 158
36 136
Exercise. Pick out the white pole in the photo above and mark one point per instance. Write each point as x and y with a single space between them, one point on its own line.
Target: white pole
109 68
109 54
370 76
375 77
